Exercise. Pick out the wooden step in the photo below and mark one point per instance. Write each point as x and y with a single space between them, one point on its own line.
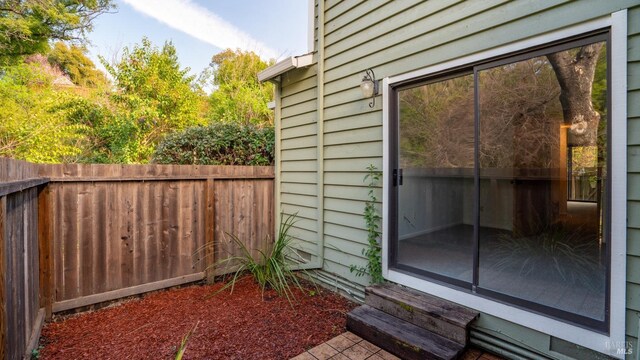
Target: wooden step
399 337
426 311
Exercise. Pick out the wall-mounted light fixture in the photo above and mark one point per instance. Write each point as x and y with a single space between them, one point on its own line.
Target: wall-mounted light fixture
369 86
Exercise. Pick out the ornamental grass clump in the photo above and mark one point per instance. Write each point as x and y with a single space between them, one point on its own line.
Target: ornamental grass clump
272 269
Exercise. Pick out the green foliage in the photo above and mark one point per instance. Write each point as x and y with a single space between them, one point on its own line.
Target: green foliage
35 353
183 342
75 64
154 97
373 251
239 96
599 90
27 26
218 144
34 123
273 268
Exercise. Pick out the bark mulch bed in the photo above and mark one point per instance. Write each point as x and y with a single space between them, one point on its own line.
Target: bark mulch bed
238 325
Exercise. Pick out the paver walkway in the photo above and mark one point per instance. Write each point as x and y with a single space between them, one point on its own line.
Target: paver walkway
349 346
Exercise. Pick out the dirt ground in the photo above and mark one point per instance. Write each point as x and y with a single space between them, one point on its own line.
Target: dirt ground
238 325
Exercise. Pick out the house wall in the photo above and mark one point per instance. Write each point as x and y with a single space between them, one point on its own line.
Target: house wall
395 37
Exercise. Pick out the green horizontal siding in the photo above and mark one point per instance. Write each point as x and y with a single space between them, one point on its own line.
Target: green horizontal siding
298 120
297 156
633 131
299 97
299 143
298 131
390 15
308 177
633 71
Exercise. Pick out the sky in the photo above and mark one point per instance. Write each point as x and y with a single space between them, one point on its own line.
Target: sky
200 29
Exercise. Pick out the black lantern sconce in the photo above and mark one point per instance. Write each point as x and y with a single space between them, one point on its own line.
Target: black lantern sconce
369 86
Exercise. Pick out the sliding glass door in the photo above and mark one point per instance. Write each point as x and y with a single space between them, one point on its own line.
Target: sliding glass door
485 176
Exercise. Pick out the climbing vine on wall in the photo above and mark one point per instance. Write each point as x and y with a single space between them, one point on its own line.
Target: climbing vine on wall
372 218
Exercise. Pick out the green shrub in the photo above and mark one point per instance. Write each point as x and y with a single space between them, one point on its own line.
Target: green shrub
218 144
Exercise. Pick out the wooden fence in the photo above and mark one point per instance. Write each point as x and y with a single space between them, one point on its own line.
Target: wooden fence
111 231
20 314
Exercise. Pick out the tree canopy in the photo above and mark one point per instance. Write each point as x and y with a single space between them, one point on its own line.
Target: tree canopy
27 26
73 61
153 96
34 124
239 96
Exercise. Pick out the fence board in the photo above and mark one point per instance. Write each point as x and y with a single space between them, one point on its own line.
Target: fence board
45 248
4 339
111 234
245 209
20 271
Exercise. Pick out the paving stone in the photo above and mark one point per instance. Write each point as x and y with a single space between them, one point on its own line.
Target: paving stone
387 355
339 357
323 351
357 352
353 337
369 346
340 343
375 357
305 356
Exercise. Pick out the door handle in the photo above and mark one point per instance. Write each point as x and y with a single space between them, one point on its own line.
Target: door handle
397 177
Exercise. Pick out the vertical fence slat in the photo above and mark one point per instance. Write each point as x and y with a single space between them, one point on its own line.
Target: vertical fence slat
45 249
210 235
3 273
20 315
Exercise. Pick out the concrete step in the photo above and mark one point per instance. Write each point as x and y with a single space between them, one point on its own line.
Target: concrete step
423 310
400 337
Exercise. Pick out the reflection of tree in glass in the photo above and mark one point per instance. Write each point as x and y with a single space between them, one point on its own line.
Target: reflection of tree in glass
575 70
520 115
438 120
523 107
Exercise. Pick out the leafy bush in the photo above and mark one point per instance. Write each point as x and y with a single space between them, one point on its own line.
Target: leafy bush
218 144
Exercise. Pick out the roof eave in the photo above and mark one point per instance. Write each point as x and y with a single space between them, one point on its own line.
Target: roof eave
294 62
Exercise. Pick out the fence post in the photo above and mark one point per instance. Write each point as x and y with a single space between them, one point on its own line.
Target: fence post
209 244
3 298
45 249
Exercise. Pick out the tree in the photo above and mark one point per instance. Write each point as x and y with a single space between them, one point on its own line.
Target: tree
153 97
73 61
34 124
239 96
575 72
27 26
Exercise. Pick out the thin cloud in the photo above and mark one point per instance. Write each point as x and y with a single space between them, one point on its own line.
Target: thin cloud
199 22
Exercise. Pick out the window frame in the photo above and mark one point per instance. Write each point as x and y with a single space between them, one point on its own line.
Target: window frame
475 286
615 26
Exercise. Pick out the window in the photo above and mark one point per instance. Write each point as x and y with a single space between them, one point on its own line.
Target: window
501 180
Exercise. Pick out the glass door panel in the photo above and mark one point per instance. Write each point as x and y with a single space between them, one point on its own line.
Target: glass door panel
435 179
536 243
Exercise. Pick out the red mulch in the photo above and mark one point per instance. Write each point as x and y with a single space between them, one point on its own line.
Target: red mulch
230 326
